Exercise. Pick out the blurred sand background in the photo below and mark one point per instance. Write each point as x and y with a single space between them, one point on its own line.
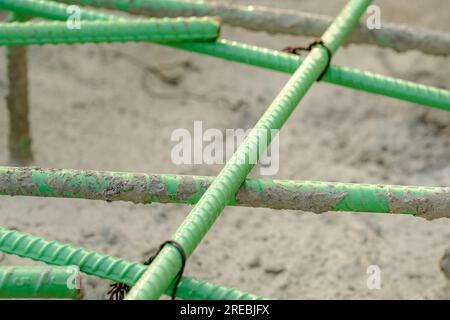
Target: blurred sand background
104 107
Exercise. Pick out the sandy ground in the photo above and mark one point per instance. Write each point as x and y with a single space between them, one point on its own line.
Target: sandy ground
100 107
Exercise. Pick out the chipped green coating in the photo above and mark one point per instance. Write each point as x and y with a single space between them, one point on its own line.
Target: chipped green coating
168 262
313 196
39 282
161 30
107 267
264 58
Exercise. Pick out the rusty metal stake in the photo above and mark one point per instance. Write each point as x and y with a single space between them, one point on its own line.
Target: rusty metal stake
17 102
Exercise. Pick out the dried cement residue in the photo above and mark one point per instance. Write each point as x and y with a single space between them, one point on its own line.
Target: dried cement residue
21 183
280 197
432 206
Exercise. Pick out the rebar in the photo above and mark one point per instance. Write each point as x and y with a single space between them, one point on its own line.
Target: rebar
167 263
312 196
39 282
398 37
161 30
17 102
343 76
107 267
265 58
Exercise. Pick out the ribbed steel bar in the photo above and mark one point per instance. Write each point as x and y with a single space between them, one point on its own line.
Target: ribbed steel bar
313 196
265 58
39 282
17 101
196 225
258 18
107 267
161 30
343 76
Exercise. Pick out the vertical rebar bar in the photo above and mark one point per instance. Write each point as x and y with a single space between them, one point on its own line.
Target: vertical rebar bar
167 264
17 102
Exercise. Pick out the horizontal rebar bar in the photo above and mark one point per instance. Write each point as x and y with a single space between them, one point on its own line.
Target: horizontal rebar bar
39 282
161 30
107 267
312 196
264 58
258 18
342 76
189 234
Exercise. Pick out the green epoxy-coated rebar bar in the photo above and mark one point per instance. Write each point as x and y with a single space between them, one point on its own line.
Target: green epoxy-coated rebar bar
161 30
343 76
265 58
168 262
107 267
313 196
39 282
398 37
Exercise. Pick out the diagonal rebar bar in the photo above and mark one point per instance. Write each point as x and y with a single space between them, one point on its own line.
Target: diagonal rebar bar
401 38
39 282
313 196
107 267
261 57
167 263
161 30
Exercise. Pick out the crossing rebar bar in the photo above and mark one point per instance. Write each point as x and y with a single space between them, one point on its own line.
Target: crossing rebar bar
107 267
264 58
168 262
17 101
161 30
39 282
312 196
401 38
